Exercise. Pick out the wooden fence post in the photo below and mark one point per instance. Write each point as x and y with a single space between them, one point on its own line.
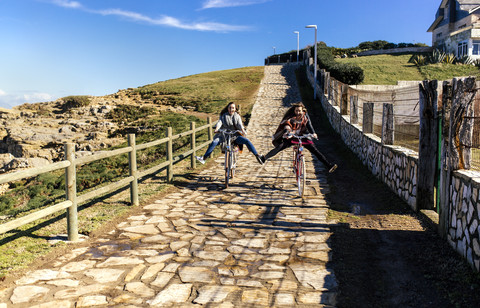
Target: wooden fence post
367 125
344 101
210 129
132 164
387 124
428 144
169 155
193 161
335 93
445 172
321 79
326 83
461 123
71 193
354 109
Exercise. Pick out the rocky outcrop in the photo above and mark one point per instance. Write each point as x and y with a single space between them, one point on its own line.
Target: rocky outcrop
33 135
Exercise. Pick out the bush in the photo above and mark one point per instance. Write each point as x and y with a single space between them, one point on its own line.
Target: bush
347 73
71 102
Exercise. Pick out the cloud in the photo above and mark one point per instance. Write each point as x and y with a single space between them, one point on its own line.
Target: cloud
67 4
8 100
167 21
173 22
37 97
209 4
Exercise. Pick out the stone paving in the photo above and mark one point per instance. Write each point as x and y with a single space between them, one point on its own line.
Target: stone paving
254 244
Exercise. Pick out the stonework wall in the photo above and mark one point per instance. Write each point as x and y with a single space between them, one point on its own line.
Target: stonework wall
464 214
396 166
394 50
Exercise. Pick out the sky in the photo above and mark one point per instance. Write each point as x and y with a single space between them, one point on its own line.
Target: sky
55 48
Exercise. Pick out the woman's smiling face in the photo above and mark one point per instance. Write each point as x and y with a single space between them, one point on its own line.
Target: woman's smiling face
298 112
231 109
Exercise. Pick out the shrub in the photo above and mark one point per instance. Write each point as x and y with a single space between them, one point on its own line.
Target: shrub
449 58
437 56
419 60
465 60
77 101
347 73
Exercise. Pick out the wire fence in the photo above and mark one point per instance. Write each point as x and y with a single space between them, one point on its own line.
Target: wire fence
475 146
405 99
406 112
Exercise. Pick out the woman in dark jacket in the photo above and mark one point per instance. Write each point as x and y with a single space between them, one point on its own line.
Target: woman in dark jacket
296 121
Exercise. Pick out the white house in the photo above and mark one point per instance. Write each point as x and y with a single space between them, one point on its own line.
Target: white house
456 28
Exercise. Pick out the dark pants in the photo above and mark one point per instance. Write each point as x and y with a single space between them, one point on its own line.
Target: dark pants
311 147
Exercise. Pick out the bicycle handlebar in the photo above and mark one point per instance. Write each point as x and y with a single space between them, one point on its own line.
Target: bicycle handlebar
229 132
307 136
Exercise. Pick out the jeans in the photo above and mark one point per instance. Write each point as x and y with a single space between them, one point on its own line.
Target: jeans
239 140
311 147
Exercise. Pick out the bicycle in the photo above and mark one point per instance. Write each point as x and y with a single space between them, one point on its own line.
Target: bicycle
231 151
299 162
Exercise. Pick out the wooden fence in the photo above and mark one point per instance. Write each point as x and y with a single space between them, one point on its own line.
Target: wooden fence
70 163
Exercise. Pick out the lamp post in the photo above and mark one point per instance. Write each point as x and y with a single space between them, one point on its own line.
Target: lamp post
298 42
315 61
273 50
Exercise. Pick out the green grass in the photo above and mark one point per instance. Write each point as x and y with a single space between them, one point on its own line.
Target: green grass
448 71
388 69
206 93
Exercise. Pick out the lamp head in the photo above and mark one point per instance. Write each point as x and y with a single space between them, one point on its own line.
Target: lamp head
311 26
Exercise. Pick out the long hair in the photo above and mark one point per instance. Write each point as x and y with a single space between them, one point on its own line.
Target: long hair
225 109
291 111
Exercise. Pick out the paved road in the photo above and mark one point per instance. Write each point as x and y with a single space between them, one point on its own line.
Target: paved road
253 244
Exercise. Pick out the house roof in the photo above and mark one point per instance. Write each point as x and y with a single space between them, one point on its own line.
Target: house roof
469 6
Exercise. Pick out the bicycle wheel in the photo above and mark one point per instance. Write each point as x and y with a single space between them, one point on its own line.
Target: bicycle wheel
233 164
301 175
227 168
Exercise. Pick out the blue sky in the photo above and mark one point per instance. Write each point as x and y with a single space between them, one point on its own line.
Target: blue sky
55 48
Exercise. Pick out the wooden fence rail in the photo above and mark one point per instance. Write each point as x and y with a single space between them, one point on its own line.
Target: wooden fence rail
70 163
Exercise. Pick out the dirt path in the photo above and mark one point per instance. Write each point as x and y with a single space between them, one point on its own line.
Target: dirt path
384 254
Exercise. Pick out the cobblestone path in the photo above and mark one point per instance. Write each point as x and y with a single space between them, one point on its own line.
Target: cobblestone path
255 244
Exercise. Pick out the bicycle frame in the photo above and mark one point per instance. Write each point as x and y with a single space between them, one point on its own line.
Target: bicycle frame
231 151
299 163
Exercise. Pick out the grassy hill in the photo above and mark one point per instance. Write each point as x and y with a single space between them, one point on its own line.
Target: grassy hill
387 69
146 111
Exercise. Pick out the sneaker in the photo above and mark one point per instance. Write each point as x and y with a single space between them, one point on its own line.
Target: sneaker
200 159
334 167
260 159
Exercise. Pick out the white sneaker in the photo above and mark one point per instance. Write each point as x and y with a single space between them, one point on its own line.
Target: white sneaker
200 159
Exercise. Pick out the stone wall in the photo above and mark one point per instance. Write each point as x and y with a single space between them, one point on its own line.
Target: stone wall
398 168
394 165
464 214
395 50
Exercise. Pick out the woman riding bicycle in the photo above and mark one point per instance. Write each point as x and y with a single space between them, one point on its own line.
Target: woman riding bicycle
296 122
229 120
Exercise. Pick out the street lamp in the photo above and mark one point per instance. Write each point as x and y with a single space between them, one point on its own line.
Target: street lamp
298 39
273 50
315 62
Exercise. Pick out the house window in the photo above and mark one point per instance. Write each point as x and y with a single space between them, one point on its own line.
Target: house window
462 49
439 35
476 48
